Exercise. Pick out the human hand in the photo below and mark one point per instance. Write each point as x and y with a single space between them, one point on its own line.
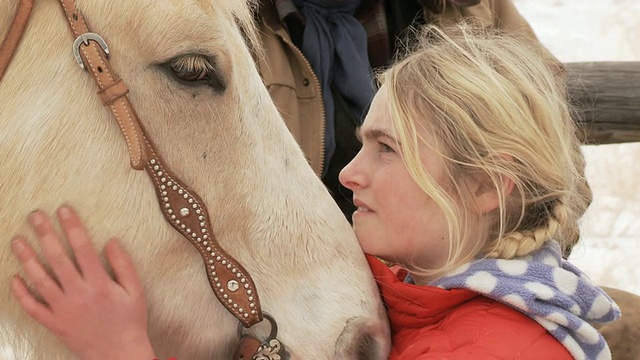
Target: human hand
93 315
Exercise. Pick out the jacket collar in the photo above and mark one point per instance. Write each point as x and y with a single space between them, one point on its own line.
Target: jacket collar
411 305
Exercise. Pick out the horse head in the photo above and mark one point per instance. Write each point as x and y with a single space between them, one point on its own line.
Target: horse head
190 69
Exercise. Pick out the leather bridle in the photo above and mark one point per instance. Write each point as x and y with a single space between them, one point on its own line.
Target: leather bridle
181 206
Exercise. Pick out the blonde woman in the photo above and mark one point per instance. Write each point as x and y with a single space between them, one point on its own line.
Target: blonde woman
467 180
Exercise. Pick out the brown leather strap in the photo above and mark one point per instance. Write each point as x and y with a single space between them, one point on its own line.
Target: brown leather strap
247 348
114 92
181 206
14 35
95 61
186 212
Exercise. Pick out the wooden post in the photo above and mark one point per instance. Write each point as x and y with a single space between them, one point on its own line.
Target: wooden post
607 97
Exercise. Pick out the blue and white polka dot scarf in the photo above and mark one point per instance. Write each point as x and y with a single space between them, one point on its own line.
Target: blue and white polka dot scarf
550 290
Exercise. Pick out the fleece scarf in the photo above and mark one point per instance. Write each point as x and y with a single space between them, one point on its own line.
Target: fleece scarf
550 290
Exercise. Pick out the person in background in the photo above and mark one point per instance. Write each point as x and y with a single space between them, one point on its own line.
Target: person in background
321 56
467 181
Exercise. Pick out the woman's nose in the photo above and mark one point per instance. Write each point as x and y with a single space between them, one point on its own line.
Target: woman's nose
351 176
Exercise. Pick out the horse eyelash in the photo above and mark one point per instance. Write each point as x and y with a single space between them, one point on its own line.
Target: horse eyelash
192 63
197 63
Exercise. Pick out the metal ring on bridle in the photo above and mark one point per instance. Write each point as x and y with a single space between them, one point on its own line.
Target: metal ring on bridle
274 326
84 39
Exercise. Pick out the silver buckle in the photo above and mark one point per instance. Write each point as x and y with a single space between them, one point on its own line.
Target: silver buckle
84 39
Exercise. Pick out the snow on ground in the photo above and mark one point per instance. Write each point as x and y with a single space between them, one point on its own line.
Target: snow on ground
600 30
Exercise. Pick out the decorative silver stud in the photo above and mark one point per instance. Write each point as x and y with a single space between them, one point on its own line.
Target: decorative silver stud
184 212
233 286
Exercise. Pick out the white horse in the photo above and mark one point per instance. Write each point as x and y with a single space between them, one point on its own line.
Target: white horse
223 136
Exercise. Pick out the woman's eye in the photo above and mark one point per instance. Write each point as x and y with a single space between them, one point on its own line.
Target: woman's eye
385 148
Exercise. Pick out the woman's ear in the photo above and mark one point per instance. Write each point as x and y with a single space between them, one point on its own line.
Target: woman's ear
487 193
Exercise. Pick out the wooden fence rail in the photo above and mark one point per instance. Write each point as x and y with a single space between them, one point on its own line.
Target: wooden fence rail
607 97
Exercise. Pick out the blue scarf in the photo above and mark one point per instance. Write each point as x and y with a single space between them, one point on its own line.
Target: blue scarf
548 289
335 43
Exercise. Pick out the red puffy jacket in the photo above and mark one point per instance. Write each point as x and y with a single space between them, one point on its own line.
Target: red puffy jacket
432 323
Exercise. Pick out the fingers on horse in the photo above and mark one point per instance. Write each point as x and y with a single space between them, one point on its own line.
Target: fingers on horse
35 272
124 269
37 310
77 236
53 250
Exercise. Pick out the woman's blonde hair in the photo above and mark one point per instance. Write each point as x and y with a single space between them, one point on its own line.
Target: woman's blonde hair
493 106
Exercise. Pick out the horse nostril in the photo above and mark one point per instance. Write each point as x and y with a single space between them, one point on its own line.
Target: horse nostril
363 339
368 348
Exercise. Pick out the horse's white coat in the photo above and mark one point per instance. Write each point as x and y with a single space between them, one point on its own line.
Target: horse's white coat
58 144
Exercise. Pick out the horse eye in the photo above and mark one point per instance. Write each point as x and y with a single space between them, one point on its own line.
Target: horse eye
193 70
190 75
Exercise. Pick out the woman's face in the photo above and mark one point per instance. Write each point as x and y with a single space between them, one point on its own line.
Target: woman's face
395 220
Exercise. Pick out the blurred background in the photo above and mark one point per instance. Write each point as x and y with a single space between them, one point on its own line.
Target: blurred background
600 30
